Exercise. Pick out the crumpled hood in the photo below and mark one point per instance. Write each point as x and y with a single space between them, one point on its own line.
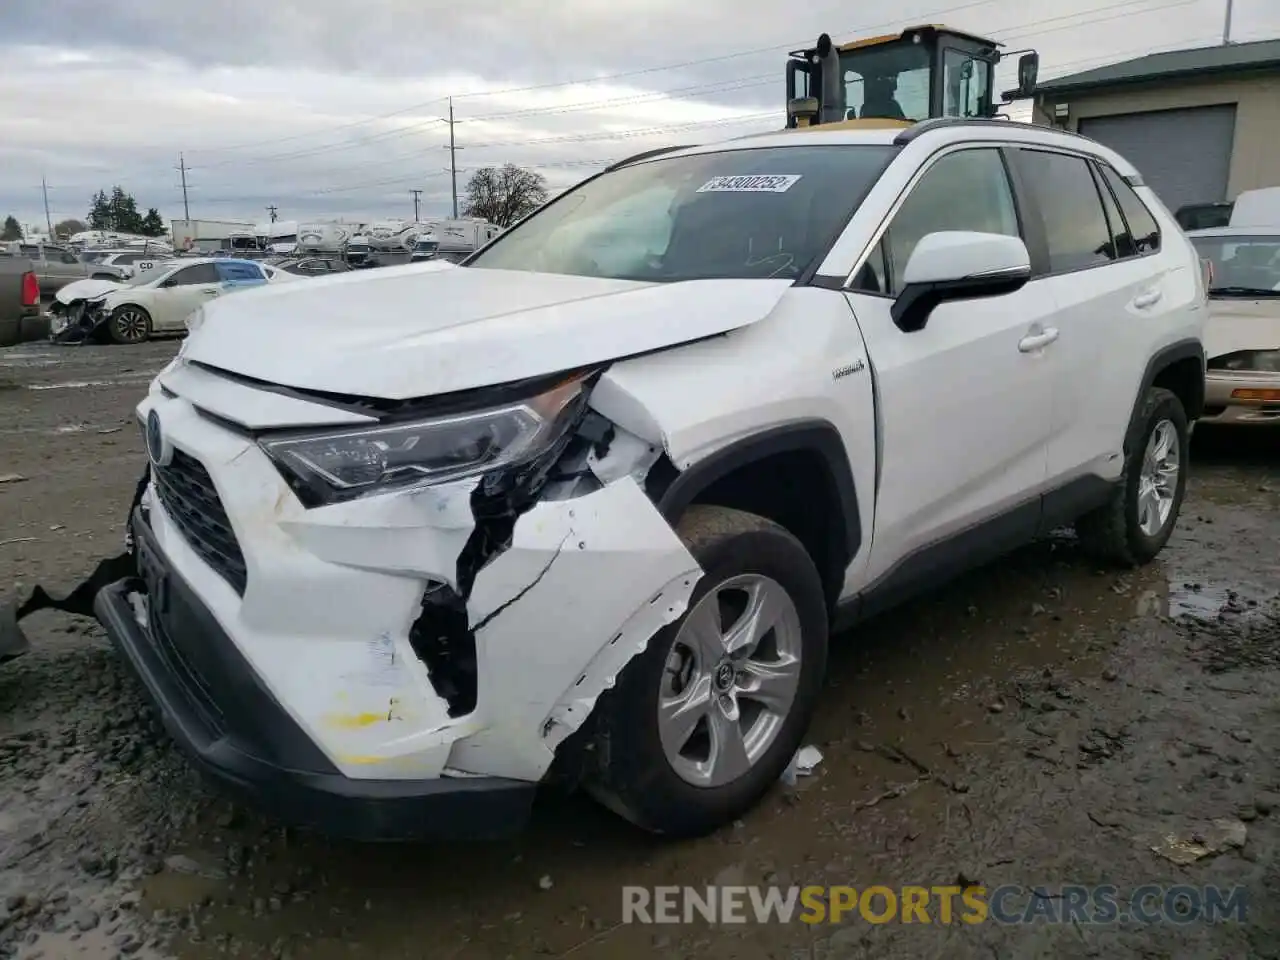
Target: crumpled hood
421 330
1242 325
85 290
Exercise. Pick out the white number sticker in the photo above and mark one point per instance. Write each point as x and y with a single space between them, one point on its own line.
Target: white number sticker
752 183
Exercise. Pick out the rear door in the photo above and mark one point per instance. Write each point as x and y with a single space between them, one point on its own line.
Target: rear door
1108 280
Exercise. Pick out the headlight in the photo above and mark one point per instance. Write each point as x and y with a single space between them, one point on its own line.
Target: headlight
1267 361
342 465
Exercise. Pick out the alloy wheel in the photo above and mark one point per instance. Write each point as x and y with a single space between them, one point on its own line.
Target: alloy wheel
1158 479
730 680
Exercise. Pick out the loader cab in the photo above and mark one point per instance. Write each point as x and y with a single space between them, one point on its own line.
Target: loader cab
928 71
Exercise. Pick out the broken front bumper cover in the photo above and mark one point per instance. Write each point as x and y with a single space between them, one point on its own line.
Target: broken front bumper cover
76 322
220 714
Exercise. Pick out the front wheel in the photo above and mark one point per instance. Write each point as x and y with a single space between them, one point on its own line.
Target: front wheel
704 722
129 324
1138 521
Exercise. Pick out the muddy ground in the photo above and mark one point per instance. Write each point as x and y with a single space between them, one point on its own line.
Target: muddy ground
1040 722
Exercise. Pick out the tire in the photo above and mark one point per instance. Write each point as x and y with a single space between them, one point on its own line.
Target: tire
129 324
657 787
1123 532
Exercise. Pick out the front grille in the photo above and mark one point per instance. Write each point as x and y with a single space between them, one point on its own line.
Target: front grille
191 501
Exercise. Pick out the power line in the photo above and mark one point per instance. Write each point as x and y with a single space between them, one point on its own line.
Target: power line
596 79
729 85
648 131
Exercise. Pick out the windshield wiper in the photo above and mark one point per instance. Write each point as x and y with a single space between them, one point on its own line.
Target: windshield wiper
1243 292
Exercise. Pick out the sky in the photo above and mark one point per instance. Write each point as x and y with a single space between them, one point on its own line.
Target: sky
337 108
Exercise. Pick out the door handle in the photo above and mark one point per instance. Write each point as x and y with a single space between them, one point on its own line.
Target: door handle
1148 299
1038 341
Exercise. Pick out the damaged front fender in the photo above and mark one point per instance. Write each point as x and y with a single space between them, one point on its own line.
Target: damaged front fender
585 584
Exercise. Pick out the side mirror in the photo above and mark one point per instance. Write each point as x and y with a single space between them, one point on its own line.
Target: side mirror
958 265
1028 72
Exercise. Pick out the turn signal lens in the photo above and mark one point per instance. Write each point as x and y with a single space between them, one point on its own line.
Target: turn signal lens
1258 395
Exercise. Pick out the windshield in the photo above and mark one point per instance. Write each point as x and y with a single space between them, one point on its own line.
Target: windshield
1243 265
887 80
753 213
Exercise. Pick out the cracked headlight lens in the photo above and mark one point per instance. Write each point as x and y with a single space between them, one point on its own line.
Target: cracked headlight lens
342 465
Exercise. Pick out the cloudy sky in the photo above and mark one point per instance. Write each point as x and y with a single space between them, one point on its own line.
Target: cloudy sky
335 107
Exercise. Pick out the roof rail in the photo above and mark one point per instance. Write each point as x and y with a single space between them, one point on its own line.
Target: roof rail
917 130
645 155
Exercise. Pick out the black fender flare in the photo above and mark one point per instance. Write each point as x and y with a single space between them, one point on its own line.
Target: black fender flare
1187 349
808 436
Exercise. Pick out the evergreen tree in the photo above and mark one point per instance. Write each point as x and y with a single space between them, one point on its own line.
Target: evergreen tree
152 224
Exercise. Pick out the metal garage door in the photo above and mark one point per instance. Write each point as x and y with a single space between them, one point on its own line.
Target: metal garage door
1184 155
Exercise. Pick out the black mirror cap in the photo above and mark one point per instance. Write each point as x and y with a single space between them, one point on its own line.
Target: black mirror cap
910 312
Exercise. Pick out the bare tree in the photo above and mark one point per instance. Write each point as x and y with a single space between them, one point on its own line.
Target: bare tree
67 228
503 195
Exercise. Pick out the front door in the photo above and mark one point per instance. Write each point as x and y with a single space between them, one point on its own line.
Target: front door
964 403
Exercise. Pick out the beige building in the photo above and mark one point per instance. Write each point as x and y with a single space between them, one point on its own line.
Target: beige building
1201 125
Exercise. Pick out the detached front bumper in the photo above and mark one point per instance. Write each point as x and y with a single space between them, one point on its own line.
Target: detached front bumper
221 715
1244 398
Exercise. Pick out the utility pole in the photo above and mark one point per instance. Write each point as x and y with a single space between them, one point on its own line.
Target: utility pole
272 210
416 195
182 168
1226 25
44 187
453 161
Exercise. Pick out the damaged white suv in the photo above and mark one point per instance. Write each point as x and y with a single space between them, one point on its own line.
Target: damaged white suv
589 505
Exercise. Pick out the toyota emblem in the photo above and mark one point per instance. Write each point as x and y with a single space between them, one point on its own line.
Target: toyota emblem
157 448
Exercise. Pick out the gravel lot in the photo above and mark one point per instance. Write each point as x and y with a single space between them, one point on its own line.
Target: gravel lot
1040 722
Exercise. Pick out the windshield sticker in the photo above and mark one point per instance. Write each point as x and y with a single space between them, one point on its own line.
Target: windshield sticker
753 183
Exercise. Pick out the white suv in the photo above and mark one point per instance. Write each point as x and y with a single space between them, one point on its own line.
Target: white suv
590 504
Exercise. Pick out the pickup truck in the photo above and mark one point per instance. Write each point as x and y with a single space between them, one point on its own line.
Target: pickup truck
57 266
20 318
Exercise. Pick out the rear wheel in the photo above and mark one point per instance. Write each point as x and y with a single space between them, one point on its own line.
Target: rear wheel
1138 521
702 724
129 324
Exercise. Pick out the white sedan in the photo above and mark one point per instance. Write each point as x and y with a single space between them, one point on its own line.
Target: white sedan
155 300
